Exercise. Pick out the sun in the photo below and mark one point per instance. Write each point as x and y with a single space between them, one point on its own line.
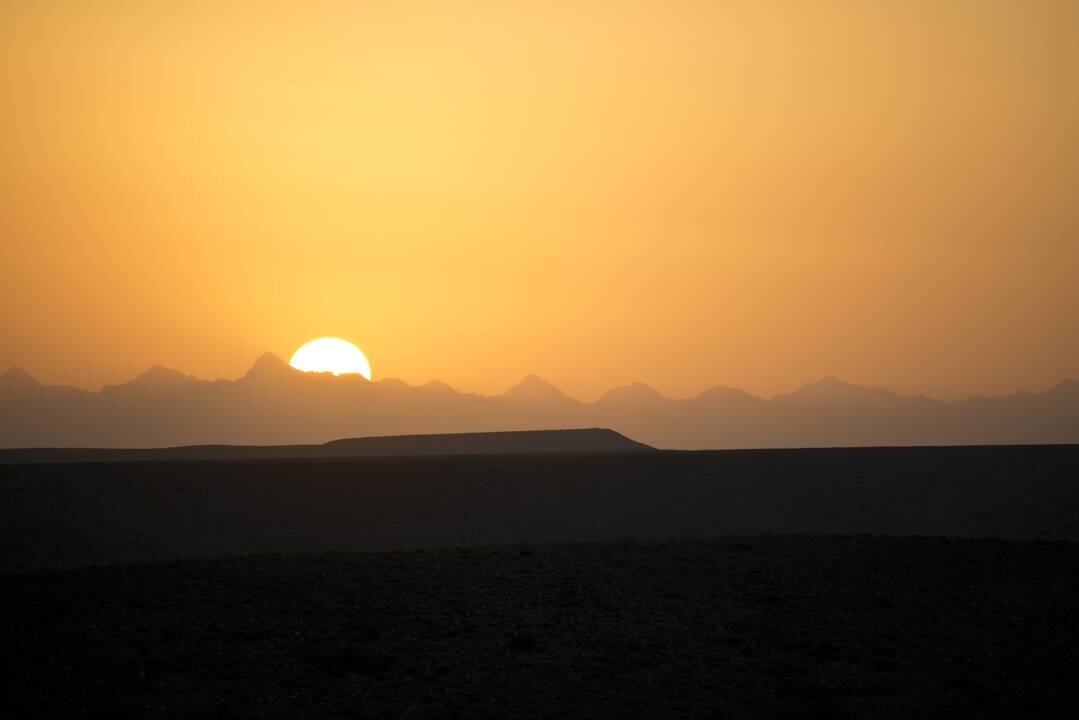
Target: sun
333 355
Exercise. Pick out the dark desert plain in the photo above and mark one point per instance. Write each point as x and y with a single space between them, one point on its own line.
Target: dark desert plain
534 359
617 582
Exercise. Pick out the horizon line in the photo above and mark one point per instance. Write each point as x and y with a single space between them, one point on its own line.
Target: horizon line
827 379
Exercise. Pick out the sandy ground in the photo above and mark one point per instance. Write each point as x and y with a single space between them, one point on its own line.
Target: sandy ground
736 627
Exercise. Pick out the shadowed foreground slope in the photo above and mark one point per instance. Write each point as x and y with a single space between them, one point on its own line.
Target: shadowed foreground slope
741 627
66 515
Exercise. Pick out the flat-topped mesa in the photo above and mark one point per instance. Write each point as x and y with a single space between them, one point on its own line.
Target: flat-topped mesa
525 442
491 443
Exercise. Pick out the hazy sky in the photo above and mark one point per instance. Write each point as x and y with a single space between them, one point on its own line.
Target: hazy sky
753 194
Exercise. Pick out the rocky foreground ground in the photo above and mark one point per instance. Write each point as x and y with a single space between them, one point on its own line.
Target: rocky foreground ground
748 626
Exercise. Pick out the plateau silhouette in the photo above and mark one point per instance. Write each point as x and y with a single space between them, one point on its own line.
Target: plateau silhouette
524 442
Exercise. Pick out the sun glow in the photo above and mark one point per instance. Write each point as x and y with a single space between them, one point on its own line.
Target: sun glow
330 354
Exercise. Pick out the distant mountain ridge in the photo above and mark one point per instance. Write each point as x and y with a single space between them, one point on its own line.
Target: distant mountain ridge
274 403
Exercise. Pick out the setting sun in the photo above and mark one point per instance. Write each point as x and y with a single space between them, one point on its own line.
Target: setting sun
333 355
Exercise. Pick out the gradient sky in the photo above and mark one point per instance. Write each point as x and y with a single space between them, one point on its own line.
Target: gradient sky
753 194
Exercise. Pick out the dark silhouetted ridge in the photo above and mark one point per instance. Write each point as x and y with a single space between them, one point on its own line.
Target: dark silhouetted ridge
591 440
490 443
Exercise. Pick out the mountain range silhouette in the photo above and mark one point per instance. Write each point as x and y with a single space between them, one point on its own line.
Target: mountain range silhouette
274 403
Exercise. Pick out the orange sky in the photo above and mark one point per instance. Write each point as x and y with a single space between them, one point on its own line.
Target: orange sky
753 194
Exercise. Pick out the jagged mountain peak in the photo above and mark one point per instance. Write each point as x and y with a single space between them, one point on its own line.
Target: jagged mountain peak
832 389
161 375
633 393
154 378
17 377
533 388
437 386
1069 386
724 393
830 382
270 365
269 360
